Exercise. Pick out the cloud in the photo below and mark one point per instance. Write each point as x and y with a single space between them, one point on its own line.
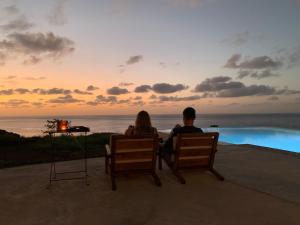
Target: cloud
79 92
117 91
165 88
35 78
294 57
19 24
138 98
134 59
100 99
14 103
32 60
12 9
52 91
2 58
153 97
7 92
10 77
217 84
257 75
37 104
57 14
224 87
91 88
64 100
125 84
142 89
260 62
179 99
36 45
22 91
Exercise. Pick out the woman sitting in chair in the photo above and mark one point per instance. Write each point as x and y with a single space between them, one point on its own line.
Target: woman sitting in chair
142 125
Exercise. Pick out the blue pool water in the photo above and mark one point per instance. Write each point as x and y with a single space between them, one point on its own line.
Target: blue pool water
278 138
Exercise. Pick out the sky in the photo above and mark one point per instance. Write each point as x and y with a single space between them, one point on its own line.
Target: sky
101 57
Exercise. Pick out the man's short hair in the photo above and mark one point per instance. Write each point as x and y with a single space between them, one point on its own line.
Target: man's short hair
189 113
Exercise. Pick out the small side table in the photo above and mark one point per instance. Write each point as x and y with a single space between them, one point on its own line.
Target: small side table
53 174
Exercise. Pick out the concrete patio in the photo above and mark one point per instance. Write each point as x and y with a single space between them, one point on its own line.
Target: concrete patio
262 187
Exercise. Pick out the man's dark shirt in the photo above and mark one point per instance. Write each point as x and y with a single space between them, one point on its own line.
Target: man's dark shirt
168 145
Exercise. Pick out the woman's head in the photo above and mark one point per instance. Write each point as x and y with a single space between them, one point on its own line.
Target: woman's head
143 120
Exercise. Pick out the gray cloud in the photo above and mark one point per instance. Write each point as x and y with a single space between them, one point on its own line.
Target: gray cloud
294 57
264 74
142 89
52 91
100 99
134 59
165 88
19 24
13 103
11 9
125 84
117 91
7 92
179 99
79 92
22 91
217 84
224 87
91 88
256 74
36 45
260 62
57 15
64 100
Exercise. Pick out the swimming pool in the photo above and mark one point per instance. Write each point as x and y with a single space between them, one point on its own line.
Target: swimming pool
284 139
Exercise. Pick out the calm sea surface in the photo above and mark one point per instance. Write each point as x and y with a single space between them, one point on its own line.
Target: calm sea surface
31 126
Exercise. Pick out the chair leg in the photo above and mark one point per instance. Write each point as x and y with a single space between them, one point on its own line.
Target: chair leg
113 182
106 164
156 179
217 174
159 161
178 175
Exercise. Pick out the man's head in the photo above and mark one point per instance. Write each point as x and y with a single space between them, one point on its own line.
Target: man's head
189 115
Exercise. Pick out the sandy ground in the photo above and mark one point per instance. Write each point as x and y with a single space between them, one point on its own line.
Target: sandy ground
261 188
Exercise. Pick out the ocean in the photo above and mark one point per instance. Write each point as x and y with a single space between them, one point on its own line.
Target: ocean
33 126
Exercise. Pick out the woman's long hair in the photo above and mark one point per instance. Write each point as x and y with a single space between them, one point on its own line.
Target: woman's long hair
143 121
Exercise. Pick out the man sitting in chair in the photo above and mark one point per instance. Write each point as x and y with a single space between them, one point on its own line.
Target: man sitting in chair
189 116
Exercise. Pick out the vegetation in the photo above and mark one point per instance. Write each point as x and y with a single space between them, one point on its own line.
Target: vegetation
16 150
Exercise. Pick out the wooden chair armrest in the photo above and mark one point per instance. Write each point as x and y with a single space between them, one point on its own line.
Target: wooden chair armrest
108 151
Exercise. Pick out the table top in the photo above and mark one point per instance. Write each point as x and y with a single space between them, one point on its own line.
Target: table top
74 129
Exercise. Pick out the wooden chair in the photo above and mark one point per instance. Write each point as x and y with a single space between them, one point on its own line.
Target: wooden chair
193 151
131 154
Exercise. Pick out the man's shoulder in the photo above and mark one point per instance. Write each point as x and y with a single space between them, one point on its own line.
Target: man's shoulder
192 129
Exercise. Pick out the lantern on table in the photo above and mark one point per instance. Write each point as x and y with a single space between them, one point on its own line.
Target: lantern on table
62 125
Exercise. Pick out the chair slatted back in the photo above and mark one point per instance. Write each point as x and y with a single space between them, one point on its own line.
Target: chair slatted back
195 150
133 152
